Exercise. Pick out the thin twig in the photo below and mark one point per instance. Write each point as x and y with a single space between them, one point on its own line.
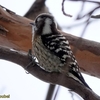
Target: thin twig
56 92
96 16
68 15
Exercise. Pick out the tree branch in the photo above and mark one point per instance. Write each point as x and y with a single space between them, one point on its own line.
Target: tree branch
22 59
18 37
37 7
15 41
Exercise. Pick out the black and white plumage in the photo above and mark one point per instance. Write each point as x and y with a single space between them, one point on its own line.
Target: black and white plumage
52 49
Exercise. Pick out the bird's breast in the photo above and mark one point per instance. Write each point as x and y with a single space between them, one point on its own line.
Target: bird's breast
47 60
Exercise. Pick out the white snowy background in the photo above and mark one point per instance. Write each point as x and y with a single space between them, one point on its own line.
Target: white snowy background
22 86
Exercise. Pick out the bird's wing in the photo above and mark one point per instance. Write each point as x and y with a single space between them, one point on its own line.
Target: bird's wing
59 45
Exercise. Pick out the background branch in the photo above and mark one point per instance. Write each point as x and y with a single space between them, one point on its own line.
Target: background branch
37 7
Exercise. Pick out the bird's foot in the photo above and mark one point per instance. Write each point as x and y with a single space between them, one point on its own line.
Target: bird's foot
32 62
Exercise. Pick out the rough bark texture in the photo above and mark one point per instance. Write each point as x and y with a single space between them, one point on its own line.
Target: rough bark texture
22 59
15 33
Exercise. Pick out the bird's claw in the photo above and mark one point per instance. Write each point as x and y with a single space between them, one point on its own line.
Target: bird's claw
32 58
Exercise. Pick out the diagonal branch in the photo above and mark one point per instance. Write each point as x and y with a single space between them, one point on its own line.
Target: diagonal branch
17 38
22 59
37 7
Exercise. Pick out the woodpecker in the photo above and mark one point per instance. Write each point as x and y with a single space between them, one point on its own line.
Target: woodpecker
52 49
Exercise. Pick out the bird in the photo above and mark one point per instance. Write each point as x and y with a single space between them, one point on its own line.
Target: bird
52 49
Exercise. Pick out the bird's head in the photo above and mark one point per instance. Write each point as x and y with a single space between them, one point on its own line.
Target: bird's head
44 24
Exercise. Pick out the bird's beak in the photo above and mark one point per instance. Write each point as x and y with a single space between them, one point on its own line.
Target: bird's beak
34 27
33 24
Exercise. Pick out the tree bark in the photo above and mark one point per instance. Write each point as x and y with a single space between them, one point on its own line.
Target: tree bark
15 33
22 59
15 41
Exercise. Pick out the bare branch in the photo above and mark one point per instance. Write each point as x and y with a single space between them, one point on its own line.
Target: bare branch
22 59
37 7
96 16
18 38
64 11
50 92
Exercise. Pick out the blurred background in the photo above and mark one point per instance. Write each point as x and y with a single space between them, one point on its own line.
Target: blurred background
22 86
